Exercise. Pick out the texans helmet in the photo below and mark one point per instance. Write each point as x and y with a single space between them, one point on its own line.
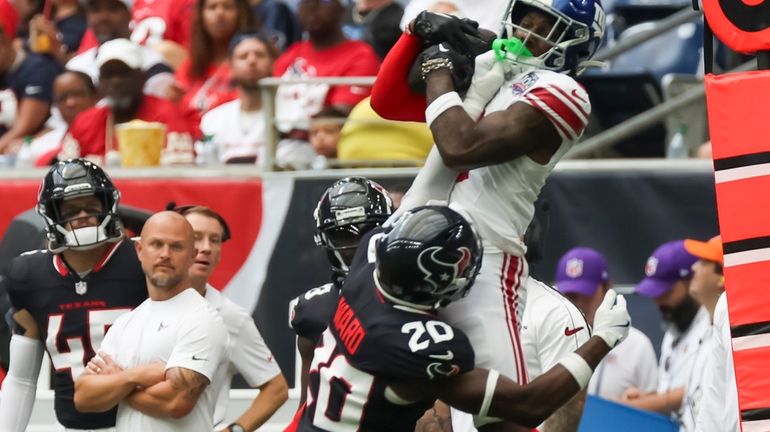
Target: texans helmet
75 178
348 209
428 258
577 28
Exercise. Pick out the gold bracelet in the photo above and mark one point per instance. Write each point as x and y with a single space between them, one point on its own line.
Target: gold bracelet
435 64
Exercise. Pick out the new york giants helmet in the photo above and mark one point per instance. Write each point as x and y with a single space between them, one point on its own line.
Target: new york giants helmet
428 258
75 178
350 208
576 32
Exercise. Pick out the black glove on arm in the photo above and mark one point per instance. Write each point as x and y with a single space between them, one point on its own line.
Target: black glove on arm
430 59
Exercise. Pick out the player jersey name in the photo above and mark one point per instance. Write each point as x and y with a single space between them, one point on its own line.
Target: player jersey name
83 305
349 328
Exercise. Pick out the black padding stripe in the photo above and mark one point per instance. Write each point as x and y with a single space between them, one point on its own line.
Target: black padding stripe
746 245
750 329
755 414
742 161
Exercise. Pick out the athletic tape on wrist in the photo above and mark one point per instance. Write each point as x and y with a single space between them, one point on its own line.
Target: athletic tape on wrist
441 104
489 392
578 367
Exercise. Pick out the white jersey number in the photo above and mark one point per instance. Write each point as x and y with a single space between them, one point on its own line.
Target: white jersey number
150 30
437 330
72 356
342 391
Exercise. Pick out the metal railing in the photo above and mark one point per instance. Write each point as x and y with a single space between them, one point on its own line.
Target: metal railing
644 120
268 88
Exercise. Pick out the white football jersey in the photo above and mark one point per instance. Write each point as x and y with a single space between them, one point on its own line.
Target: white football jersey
500 198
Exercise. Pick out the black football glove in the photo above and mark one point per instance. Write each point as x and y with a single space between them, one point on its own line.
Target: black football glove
462 67
463 34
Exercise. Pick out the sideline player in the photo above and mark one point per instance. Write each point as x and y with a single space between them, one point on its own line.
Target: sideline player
347 211
66 298
386 356
249 355
497 147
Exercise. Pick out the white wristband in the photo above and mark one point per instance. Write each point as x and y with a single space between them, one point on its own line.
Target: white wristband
489 392
578 367
441 104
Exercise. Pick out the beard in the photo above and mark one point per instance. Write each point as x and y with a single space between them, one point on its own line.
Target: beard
682 315
166 280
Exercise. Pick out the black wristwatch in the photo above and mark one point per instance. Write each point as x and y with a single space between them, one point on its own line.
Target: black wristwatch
235 427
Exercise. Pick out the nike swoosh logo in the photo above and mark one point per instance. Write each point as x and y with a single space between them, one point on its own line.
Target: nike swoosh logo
195 357
569 332
575 94
442 48
628 323
448 356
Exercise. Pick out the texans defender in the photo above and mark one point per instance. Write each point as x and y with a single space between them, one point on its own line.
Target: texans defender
386 356
67 297
348 210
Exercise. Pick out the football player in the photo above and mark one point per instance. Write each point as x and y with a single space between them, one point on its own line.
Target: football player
496 147
386 355
347 210
65 298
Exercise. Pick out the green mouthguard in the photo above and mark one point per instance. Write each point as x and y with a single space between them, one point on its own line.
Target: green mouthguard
502 47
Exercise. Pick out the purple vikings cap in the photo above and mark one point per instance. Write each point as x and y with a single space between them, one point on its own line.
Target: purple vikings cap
669 263
581 270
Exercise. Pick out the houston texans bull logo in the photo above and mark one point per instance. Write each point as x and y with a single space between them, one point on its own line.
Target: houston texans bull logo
442 267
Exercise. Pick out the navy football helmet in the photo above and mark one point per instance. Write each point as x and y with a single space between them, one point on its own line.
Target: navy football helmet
577 30
428 258
75 178
348 209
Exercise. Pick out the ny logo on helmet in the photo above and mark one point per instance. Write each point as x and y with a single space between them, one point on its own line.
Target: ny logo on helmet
440 268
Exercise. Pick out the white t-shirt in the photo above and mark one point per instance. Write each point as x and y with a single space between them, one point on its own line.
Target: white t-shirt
693 391
718 410
500 198
677 355
234 132
249 355
678 351
631 364
157 83
183 331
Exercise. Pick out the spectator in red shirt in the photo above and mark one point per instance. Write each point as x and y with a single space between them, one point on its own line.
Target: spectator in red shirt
110 19
121 80
203 79
327 53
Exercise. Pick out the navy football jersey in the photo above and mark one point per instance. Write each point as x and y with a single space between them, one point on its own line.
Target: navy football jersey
313 310
368 345
74 313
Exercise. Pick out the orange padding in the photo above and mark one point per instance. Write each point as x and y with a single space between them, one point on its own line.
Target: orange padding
734 37
737 112
739 206
747 298
752 378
